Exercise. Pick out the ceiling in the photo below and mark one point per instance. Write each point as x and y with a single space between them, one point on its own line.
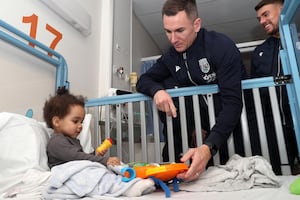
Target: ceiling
235 18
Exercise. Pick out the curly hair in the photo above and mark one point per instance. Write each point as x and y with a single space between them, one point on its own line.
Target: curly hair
172 7
60 104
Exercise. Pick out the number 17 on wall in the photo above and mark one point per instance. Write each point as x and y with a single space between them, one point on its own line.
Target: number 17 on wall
33 20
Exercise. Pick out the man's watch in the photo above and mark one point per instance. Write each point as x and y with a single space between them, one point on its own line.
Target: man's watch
212 147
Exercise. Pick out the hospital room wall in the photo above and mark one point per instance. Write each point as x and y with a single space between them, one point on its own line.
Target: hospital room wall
142 46
130 43
25 81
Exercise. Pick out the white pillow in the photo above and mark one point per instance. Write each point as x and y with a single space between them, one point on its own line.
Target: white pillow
22 147
85 135
23 144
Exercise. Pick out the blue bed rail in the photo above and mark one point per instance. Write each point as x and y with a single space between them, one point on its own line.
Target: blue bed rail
21 40
291 71
137 102
290 56
186 91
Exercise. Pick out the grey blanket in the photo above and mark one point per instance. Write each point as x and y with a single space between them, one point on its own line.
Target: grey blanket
239 173
84 178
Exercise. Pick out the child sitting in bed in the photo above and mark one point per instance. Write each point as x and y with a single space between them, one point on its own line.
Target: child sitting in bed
75 173
64 113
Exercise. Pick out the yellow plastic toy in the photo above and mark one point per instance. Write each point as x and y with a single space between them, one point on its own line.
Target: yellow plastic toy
107 143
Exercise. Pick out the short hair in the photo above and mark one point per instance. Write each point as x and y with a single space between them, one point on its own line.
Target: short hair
266 2
172 7
60 104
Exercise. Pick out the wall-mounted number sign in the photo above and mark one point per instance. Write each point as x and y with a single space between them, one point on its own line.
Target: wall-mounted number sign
33 20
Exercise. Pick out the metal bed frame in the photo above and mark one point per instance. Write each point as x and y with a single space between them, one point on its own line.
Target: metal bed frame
290 59
135 102
20 40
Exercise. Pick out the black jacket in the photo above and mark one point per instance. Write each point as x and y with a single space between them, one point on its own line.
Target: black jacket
265 63
265 59
212 59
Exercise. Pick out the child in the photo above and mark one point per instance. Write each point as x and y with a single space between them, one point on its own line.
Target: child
64 113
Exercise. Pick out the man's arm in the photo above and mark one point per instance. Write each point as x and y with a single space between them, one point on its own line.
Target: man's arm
152 81
229 74
151 84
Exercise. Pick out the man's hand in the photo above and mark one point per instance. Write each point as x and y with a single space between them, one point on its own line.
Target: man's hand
200 157
164 102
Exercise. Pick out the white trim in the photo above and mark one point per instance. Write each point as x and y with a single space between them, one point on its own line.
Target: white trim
243 47
150 58
73 13
106 41
249 44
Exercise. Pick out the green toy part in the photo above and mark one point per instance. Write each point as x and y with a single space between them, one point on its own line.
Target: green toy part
295 186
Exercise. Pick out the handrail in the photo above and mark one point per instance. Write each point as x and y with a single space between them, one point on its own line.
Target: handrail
289 53
184 91
41 52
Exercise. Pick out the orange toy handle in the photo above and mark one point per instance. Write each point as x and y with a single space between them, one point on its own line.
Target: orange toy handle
107 143
164 172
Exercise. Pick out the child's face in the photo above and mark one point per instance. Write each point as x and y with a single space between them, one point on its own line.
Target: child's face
71 124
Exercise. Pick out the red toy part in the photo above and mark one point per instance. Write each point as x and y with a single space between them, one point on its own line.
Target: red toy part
163 172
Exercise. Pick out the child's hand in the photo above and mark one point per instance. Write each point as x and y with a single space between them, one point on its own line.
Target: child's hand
113 161
101 153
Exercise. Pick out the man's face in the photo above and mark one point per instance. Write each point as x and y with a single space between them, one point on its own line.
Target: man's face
268 17
180 30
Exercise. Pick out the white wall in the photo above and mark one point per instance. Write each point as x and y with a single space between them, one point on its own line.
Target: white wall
133 41
25 82
142 45
121 43
130 42
105 54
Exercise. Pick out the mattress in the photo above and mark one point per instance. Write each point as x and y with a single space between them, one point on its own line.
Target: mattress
32 179
257 194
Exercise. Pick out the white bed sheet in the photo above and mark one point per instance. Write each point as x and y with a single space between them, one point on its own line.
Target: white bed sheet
281 193
28 171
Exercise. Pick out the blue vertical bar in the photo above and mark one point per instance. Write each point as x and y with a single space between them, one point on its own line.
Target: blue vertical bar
289 61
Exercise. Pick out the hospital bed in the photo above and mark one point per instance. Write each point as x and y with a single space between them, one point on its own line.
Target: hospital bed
125 118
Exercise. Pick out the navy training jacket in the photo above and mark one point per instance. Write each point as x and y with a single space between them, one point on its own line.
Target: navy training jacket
264 63
213 58
264 60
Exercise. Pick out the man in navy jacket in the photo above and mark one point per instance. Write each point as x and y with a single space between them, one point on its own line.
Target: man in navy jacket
266 62
197 57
